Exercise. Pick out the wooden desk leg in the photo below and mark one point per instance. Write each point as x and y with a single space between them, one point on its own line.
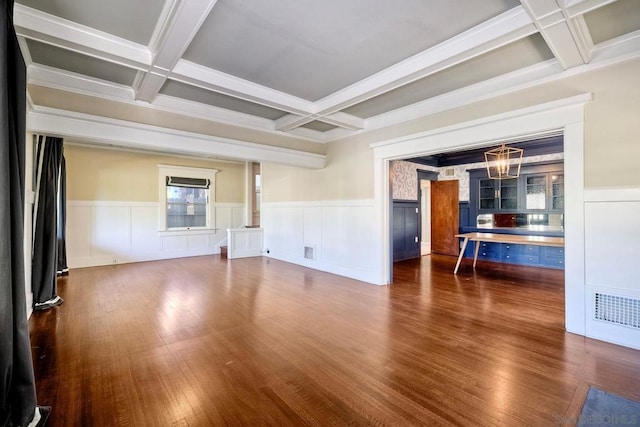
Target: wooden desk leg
464 246
475 253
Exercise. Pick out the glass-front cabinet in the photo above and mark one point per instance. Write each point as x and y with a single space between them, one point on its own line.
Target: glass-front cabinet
487 194
508 194
535 192
557 192
544 192
497 194
538 189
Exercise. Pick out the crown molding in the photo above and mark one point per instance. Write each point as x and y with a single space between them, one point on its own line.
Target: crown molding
497 118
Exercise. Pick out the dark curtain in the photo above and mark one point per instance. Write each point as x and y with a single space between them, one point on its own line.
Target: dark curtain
18 393
62 267
45 241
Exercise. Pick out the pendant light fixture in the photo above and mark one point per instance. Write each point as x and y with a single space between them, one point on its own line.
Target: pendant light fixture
503 162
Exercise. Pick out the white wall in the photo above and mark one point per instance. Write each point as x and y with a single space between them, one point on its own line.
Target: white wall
340 233
109 232
612 233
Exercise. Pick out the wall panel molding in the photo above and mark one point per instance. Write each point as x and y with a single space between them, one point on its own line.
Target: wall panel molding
333 236
103 232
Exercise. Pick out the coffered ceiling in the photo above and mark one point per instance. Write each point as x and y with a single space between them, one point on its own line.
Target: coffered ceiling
313 70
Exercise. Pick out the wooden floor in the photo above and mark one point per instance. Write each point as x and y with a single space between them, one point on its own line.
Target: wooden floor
200 341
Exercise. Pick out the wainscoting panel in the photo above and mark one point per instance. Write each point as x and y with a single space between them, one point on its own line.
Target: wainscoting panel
612 238
111 230
79 232
335 236
105 232
144 231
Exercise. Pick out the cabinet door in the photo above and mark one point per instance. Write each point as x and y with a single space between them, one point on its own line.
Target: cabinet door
508 194
557 192
487 193
535 191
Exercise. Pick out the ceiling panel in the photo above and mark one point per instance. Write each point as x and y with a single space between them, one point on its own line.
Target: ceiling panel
311 49
56 57
319 126
614 20
522 53
133 20
196 94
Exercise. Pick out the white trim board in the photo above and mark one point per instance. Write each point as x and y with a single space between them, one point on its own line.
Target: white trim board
102 130
617 194
566 115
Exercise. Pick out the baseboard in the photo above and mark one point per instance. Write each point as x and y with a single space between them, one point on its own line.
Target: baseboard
98 261
361 275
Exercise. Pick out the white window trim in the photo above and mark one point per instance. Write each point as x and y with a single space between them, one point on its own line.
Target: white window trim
186 172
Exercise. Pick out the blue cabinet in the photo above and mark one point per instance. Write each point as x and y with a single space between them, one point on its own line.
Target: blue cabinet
539 256
553 257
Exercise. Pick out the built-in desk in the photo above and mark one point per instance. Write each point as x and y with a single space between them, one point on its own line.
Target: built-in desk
503 238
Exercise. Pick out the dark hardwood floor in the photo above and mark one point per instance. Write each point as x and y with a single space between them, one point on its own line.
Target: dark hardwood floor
201 341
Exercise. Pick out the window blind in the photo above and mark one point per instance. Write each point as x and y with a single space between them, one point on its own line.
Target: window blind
176 181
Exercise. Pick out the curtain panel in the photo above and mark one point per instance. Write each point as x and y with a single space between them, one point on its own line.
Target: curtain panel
17 388
49 155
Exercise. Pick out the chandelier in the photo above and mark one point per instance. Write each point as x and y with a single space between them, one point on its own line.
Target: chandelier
503 162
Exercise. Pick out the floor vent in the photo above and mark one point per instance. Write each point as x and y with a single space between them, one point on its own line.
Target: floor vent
619 310
308 252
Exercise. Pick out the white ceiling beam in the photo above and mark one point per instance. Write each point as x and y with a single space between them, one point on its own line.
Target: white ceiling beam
46 28
42 75
122 133
556 30
501 30
179 23
344 120
148 84
292 121
339 119
581 36
211 113
580 7
199 75
306 133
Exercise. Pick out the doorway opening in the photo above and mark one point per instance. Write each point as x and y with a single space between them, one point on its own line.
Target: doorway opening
563 116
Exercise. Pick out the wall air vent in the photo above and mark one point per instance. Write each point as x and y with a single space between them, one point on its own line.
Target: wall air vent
616 309
309 252
449 172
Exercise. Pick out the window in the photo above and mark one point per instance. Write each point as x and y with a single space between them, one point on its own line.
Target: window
185 198
255 214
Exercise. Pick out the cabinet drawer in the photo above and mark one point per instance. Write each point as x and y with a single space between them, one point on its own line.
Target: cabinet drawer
487 250
489 247
557 262
509 248
490 255
522 259
552 251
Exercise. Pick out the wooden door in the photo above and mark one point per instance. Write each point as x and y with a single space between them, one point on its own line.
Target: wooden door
445 221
